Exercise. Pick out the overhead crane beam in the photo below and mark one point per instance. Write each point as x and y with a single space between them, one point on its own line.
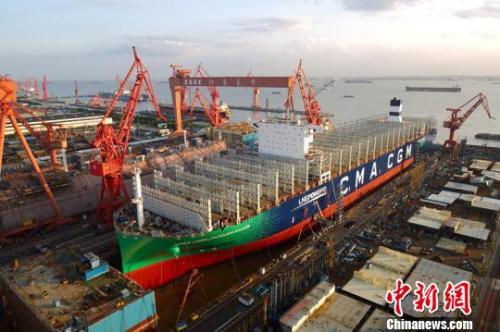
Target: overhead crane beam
181 79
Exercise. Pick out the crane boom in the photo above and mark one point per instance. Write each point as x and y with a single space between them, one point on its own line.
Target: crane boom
215 114
311 104
8 112
54 138
113 143
457 119
215 118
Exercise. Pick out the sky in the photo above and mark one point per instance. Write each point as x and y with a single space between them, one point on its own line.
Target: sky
92 39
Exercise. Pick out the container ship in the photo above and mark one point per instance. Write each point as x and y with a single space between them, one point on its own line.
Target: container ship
454 88
235 202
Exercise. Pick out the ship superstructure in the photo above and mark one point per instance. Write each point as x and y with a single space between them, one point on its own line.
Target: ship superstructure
233 203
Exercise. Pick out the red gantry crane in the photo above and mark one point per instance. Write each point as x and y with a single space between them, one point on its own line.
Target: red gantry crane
55 137
217 115
181 79
113 143
460 114
311 105
8 111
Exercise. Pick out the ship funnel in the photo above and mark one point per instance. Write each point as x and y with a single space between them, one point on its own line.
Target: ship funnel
138 199
395 110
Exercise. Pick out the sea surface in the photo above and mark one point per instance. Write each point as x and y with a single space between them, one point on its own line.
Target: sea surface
364 99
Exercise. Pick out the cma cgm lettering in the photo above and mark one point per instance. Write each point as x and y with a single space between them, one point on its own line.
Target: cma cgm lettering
366 173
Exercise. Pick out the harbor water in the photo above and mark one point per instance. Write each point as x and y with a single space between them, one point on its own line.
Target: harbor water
346 101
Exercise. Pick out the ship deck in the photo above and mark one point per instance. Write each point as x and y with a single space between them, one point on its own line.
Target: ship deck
51 286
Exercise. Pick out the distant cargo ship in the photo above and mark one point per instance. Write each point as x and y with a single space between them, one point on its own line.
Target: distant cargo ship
356 80
236 203
491 137
454 88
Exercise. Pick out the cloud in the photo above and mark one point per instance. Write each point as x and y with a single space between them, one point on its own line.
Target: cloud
376 5
272 24
158 45
487 10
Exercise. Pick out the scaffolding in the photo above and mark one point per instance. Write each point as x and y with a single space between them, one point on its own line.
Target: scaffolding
230 187
269 182
250 193
357 142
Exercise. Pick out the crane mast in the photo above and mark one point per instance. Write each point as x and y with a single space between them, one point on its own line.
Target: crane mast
8 112
77 97
113 143
311 105
459 115
255 94
45 95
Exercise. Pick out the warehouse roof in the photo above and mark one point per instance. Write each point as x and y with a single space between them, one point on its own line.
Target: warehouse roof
370 283
470 228
461 187
430 218
428 271
486 203
496 167
296 316
480 164
451 245
338 313
492 175
441 199
377 321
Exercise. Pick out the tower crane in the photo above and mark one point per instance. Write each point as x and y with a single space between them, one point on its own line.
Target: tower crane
311 105
45 95
460 114
215 117
214 92
55 137
216 114
112 143
8 111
